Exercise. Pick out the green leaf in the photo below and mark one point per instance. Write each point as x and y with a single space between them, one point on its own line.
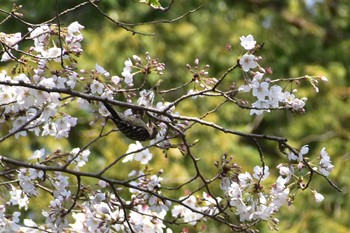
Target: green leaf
153 3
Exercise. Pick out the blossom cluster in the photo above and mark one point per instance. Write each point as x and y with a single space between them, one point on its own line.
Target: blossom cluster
325 165
201 79
251 199
40 120
41 107
10 41
131 68
192 210
42 36
268 96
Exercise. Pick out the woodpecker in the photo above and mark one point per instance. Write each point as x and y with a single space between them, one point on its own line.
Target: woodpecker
132 127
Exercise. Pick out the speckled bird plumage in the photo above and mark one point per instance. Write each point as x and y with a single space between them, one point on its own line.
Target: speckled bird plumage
132 127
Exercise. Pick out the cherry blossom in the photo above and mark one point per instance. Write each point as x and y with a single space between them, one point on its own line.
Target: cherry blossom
247 42
101 70
248 61
127 72
318 197
325 164
11 41
143 155
19 197
96 87
260 90
303 151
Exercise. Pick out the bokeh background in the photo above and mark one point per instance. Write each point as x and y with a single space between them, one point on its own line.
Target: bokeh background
301 37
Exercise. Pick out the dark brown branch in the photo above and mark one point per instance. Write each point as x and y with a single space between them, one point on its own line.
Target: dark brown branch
137 107
122 205
76 196
220 128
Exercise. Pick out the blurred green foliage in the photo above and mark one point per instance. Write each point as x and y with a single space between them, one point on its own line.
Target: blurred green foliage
301 37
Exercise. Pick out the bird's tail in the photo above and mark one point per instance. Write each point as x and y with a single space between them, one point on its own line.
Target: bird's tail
115 115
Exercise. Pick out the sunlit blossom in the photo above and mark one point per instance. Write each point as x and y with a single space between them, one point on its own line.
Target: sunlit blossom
247 42
248 61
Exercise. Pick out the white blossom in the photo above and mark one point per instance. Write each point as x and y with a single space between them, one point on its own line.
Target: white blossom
248 61
318 196
325 164
247 42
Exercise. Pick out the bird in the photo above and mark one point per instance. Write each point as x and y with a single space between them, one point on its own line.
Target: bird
132 127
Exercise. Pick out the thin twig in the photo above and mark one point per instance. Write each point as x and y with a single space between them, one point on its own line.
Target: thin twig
119 24
165 20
